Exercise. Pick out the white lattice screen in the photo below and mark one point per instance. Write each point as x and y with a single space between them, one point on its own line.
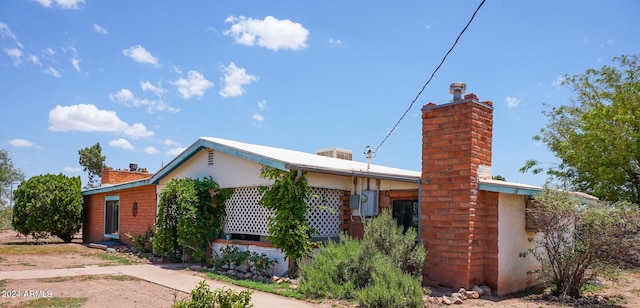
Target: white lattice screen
246 216
323 211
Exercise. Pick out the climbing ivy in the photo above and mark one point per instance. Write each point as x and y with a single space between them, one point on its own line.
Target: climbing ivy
190 216
288 227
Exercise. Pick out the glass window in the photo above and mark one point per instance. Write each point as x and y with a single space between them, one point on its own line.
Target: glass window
112 218
405 212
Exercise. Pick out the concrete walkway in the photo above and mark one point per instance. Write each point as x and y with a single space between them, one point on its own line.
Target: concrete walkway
168 275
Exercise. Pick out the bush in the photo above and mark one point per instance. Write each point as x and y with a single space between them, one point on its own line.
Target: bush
338 270
232 256
48 205
390 287
139 242
384 269
203 297
190 215
383 236
261 263
581 241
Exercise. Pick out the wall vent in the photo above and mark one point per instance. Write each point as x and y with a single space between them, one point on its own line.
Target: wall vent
336 153
210 158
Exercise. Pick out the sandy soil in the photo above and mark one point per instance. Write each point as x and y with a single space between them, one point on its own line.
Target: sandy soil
100 291
125 291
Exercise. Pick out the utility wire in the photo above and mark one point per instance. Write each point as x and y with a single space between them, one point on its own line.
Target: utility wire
431 77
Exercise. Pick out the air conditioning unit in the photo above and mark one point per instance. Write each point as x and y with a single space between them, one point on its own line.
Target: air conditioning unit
336 153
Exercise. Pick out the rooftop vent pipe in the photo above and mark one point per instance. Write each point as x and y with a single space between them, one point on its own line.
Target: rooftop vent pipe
457 89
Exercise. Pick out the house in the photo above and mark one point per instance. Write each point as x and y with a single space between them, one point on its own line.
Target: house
473 227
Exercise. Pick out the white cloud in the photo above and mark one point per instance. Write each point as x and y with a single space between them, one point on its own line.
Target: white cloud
127 98
121 143
512 102
336 41
270 33
141 55
21 143
258 117
176 151
53 72
234 78
64 4
98 29
72 169
88 118
76 64
5 31
123 96
170 143
558 81
194 85
150 150
15 54
34 59
262 104
148 86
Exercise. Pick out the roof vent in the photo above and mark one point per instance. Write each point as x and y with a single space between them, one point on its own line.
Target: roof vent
336 153
457 89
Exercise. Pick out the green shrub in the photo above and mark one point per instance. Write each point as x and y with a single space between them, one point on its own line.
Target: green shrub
261 263
384 269
139 242
203 297
338 270
390 287
232 256
382 235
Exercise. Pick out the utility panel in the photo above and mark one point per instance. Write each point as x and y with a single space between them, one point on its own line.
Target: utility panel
369 203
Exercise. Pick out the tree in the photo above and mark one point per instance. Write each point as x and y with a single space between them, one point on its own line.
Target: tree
92 162
597 136
9 175
287 198
48 205
579 241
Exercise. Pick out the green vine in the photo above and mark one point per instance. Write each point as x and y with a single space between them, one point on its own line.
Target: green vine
288 226
190 216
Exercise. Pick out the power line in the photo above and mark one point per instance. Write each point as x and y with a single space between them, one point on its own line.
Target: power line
431 77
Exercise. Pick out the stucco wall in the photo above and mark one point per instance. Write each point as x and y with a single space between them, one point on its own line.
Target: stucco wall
271 252
513 239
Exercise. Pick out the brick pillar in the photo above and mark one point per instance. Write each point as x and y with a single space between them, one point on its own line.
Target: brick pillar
456 142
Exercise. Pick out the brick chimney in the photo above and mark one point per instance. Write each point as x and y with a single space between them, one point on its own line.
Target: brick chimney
111 177
456 152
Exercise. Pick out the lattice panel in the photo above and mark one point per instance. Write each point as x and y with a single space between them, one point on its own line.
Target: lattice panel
323 213
244 214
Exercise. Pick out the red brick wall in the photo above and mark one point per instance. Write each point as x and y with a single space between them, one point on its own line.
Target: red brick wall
456 141
487 236
144 196
110 176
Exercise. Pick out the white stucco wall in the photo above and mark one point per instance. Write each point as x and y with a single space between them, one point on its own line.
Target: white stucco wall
271 252
513 239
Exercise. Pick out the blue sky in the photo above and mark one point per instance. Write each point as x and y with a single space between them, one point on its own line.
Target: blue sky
147 78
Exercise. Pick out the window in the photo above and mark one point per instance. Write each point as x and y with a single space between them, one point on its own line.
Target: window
531 224
405 212
112 217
